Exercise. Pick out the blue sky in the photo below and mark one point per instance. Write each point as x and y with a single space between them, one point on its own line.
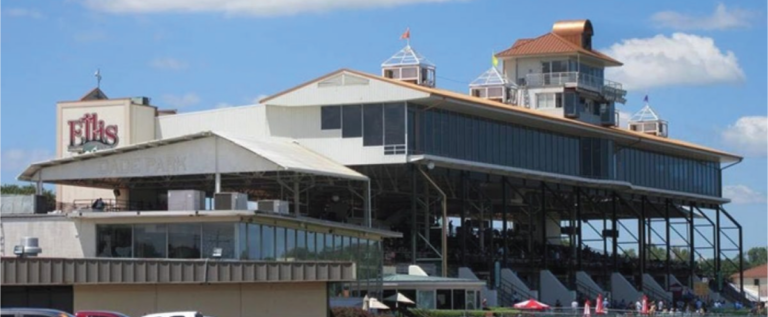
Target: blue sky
703 63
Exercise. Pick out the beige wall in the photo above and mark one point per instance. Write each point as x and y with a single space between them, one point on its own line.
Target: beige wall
59 237
222 300
135 124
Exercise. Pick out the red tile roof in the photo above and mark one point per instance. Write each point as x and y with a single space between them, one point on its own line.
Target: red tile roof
760 271
551 43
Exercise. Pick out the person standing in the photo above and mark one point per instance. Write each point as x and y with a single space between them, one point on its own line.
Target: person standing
575 306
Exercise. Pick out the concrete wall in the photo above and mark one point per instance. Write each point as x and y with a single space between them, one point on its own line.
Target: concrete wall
582 278
552 290
59 236
621 289
511 277
17 204
221 300
651 286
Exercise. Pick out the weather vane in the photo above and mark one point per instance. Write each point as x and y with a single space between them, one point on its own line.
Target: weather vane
98 77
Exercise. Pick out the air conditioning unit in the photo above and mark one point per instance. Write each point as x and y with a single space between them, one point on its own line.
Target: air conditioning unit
230 201
186 200
141 100
273 206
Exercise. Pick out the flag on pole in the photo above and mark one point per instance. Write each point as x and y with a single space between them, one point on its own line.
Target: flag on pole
406 35
646 98
494 60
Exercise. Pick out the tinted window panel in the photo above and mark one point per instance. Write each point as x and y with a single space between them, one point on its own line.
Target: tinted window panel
394 124
330 117
352 125
219 235
373 122
184 241
149 241
114 241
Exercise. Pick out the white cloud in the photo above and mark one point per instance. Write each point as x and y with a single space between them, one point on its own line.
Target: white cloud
182 101
169 63
749 136
741 194
14 160
242 7
23 13
722 19
682 59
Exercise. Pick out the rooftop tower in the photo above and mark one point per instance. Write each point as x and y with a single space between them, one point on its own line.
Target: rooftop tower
648 121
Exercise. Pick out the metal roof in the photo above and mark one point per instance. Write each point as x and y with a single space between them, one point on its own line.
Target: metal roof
407 56
552 43
282 153
99 271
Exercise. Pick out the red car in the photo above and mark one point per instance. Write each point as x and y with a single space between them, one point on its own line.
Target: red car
98 313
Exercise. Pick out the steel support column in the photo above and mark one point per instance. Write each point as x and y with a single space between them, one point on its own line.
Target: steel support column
614 234
578 230
414 210
641 242
545 254
463 214
691 236
666 239
504 211
717 250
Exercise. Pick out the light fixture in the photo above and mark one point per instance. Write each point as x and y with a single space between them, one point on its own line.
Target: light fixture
431 165
335 198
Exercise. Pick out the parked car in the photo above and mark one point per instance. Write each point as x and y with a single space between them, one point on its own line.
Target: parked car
177 314
32 312
99 313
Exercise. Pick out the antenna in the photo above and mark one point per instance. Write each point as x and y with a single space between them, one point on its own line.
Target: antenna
98 77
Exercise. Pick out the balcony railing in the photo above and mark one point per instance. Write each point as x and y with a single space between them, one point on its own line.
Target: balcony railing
610 89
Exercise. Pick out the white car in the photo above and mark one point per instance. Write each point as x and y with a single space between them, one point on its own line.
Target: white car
177 314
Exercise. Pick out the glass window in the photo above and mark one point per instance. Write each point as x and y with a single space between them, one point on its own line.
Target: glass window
149 240
394 124
311 246
184 241
290 244
352 125
280 244
114 241
559 66
301 245
319 246
267 242
219 235
254 242
241 243
425 299
373 129
330 117
410 72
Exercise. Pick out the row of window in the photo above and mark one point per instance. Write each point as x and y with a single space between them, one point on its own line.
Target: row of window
650 169
237 240
465 137
377 124
563 66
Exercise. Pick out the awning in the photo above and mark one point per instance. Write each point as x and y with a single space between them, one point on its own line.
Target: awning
194 154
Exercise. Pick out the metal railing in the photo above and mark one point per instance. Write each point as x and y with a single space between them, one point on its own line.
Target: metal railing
610 89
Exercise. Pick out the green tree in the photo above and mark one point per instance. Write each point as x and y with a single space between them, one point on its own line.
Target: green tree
630 253
757 256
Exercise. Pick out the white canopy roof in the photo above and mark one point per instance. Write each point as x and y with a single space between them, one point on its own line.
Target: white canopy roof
200 153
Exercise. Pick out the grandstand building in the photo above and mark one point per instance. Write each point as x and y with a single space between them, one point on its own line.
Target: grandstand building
526 182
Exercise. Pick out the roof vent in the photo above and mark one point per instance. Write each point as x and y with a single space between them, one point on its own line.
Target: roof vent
28 247
578 32
140 100
647 121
